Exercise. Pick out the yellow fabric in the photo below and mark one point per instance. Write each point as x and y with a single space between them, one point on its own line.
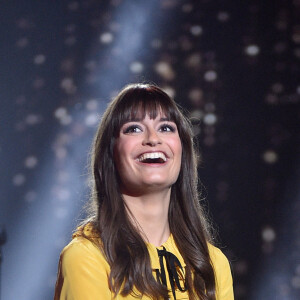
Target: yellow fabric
83 271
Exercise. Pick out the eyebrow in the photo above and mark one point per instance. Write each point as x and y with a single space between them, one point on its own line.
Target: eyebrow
141 119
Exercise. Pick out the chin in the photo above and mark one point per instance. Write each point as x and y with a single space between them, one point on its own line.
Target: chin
157 184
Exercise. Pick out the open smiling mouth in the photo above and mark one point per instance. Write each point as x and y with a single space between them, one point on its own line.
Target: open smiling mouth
152 158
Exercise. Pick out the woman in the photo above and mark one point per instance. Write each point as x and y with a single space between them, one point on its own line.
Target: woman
146 237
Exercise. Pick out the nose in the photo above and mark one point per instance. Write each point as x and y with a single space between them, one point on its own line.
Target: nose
151 138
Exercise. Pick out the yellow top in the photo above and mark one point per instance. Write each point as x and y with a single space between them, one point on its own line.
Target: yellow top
83 271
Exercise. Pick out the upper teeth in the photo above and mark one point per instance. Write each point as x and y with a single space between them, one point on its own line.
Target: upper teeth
152 155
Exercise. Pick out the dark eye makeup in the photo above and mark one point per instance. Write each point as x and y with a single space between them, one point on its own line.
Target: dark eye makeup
134 128
167 128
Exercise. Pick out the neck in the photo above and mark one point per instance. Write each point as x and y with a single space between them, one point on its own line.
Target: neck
149 213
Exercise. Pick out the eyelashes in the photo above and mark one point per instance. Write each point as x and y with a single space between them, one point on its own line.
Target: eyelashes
134 128
167 128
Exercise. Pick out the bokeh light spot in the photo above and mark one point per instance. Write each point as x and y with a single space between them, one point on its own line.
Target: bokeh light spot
91 119
165 70
136 67
210 75
31 162
39 59
19 179
252 50
268 234
223 16
210 119
106 38
270 157
196 30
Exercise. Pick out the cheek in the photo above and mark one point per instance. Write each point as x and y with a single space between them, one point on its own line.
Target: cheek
176 147
118 155
122 152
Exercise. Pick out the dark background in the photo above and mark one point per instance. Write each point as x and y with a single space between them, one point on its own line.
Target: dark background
233 65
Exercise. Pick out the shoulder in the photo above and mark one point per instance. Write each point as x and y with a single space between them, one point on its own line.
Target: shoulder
80 252
218 258
84 249
222 272
83 271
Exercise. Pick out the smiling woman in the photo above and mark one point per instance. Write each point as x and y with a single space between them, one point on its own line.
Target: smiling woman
148 155
146 236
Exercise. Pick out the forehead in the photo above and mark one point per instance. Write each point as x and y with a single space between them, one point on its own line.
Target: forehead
142 115
140 111
138 107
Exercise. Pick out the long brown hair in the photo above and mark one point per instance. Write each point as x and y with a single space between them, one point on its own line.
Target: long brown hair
121 243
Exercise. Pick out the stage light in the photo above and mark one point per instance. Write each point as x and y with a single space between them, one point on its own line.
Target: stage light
33 119
196 30
252 50
39 59
210 119
270 156
165 70
223 16
210 75
19 179
30 162
106 38
268 234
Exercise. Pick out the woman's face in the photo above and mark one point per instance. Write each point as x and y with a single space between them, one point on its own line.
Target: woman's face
147 154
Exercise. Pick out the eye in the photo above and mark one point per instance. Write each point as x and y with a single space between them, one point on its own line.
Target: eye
167 128
132 129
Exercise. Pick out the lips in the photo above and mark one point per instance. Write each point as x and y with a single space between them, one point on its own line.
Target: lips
152 157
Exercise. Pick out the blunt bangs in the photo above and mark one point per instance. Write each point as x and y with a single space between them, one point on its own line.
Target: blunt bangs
137 101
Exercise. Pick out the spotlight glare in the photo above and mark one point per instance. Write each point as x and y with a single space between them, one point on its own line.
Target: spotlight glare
92 105
223 16
165 70
196 30
60 112
210 119
33 119
268 234
106 38
270 157
210 75
91 120
252 50
19 179
39 59
136 67
31 162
